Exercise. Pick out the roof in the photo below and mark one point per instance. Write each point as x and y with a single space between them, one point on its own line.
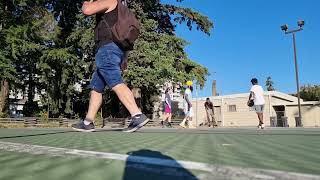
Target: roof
277 94
313 103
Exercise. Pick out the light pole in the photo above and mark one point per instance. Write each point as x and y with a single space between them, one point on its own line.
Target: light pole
293 32
197 104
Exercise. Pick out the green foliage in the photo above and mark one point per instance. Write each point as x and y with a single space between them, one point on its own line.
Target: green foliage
43 116
310 92
4 115
269 84
48 45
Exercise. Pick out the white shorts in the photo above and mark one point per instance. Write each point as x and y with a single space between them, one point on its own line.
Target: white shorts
188 113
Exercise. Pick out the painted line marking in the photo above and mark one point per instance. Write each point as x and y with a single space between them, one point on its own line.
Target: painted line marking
228 171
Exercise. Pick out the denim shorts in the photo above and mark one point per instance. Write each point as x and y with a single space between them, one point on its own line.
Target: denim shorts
108 73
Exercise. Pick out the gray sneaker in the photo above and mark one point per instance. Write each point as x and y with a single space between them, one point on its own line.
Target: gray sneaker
136 123
80 126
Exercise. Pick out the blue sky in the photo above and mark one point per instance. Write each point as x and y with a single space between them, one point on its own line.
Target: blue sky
247 42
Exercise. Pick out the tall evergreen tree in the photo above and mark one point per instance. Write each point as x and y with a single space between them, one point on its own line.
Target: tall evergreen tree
269 84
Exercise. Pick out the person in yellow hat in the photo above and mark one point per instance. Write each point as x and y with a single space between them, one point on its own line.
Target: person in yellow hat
188 106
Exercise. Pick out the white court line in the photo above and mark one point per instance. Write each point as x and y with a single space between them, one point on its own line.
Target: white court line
190 165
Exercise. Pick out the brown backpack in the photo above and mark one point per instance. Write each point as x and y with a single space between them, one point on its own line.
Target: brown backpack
126 29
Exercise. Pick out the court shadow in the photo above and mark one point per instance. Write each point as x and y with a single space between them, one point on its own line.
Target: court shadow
153 165
37 134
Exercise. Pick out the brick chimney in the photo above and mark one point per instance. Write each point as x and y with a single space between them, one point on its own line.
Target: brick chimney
214 88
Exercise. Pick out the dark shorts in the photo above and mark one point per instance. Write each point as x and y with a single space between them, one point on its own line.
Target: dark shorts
108 73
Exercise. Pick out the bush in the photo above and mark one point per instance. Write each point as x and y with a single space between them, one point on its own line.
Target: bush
43 116
4 115
98 120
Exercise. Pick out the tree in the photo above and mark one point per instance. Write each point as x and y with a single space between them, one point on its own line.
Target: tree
6 69
26 38
310 92
49 44
269 84
152 62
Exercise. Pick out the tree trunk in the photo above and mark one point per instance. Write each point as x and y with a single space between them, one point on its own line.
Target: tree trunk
4 93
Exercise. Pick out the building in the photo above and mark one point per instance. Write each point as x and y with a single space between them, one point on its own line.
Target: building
17 101
232 110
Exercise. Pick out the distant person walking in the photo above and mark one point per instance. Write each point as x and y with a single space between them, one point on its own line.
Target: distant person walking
256 94
167 109
208 105
188 106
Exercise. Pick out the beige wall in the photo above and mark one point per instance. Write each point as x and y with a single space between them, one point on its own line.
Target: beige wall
244 116
310 115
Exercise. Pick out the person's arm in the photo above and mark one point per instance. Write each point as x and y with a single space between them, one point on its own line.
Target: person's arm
92 7
251 95
167 102
205 106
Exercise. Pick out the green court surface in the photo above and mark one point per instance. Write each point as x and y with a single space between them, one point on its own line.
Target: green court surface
286 150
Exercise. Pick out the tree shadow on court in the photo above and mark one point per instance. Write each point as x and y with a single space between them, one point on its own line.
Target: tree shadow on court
153 165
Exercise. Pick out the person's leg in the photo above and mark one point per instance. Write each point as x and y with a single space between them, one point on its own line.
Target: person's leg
111 56
183 123
164 119
127 99
259 110
169 120
190 122
255 107
186 114
206 122
94 105
214 123
260 115
169 117
210 120
97 85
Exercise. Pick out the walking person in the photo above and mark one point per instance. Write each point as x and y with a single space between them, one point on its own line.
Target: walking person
188 106
167 109
257 95
208 105
110 58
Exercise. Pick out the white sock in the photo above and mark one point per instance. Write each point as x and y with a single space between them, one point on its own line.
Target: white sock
87 122
139 113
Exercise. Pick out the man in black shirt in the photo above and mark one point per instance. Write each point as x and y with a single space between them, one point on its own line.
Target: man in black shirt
109 59
210 113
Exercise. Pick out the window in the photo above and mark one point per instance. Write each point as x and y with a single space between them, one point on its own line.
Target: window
232 108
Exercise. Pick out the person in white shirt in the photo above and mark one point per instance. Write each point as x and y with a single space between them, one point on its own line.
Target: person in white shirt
256 94
188 106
